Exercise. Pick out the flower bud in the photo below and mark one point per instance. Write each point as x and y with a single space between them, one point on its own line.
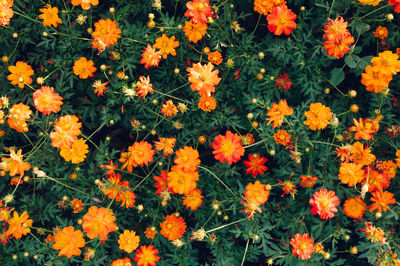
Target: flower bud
390 17
354 108
254 100
250 116
354 250
352 93
112 10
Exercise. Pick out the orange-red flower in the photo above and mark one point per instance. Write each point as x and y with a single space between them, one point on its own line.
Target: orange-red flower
173 227
381 32
166 145
166 45
338 38
288 187
324 203
20 74
396 4
264 7
282 137
387 168
84 68
76 153
302 246
169 108
17 116
146 256
120 191
198 11
122 262
66 131
361 155
376 180
50 16
69 242
386 63
106 32
318 116
7 13
182 182
150 57
203 79
85 4
256 193
193 199
281 20
308 181
194 32
351 173
374 234
207 103
139 153
150 232
143 87
283 81
98 222
187 159
255 165
100 88
277 113
19 225
227 148
382 200
365 128
354 207
161 184
77 205
15 163
46 101
215 57
128 241
374 80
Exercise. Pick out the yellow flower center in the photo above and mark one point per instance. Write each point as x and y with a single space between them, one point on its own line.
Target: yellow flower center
325 203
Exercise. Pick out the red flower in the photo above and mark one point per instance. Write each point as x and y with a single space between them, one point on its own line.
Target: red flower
255 165
302 246
283 82
227 148
324 203
198 11
281 20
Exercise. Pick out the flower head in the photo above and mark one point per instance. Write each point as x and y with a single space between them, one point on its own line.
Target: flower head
195 32
193 199
302 246
15 163
76 153
143 87
128 241
207 103
84 68
374 234
98 222
318 116
85 4
255 165
281 20
46 101
382 200
20 74
354 207
50 16
283 81
381 32
173 227
69 242
215 58
7 13
18 114
351 173
166 45
66 131
324 203
198 11
19 225
100 88
150 57
282 137
180 181
166 145
365 128
227 148
277 113
203 78
169 108
139 153
308 180
146 256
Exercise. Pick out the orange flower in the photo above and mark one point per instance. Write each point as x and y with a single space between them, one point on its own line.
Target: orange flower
351 173
69 242
66 131
282 137
337 48
173 227
281 20
247 139
203 78
198 11
215 58
386 63
374 80
169 109
166 145
277 113
338 38
85 4
19 225
166 45
255 165
207 103
302 246
376 180
146 256
324 203
128 241
308 181
365 128
77 205
388 168
20 74
17 116
256 193
46 101
374 234
107 31
181 182
120 191
382 200
354 207
381 32
288 188
98 222
150 232
143 87
227 148
7 14
193 199
84 68
318 116
370 2
75 153
15 163
50 16
100 88
161 184
361 156
187 159
139 153
264 7
194 32
150 57
122 262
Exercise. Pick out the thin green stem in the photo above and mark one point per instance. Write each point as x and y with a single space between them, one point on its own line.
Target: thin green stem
216 177
225 225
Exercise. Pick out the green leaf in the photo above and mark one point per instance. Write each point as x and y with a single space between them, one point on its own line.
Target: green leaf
351 60
337 76
361 27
